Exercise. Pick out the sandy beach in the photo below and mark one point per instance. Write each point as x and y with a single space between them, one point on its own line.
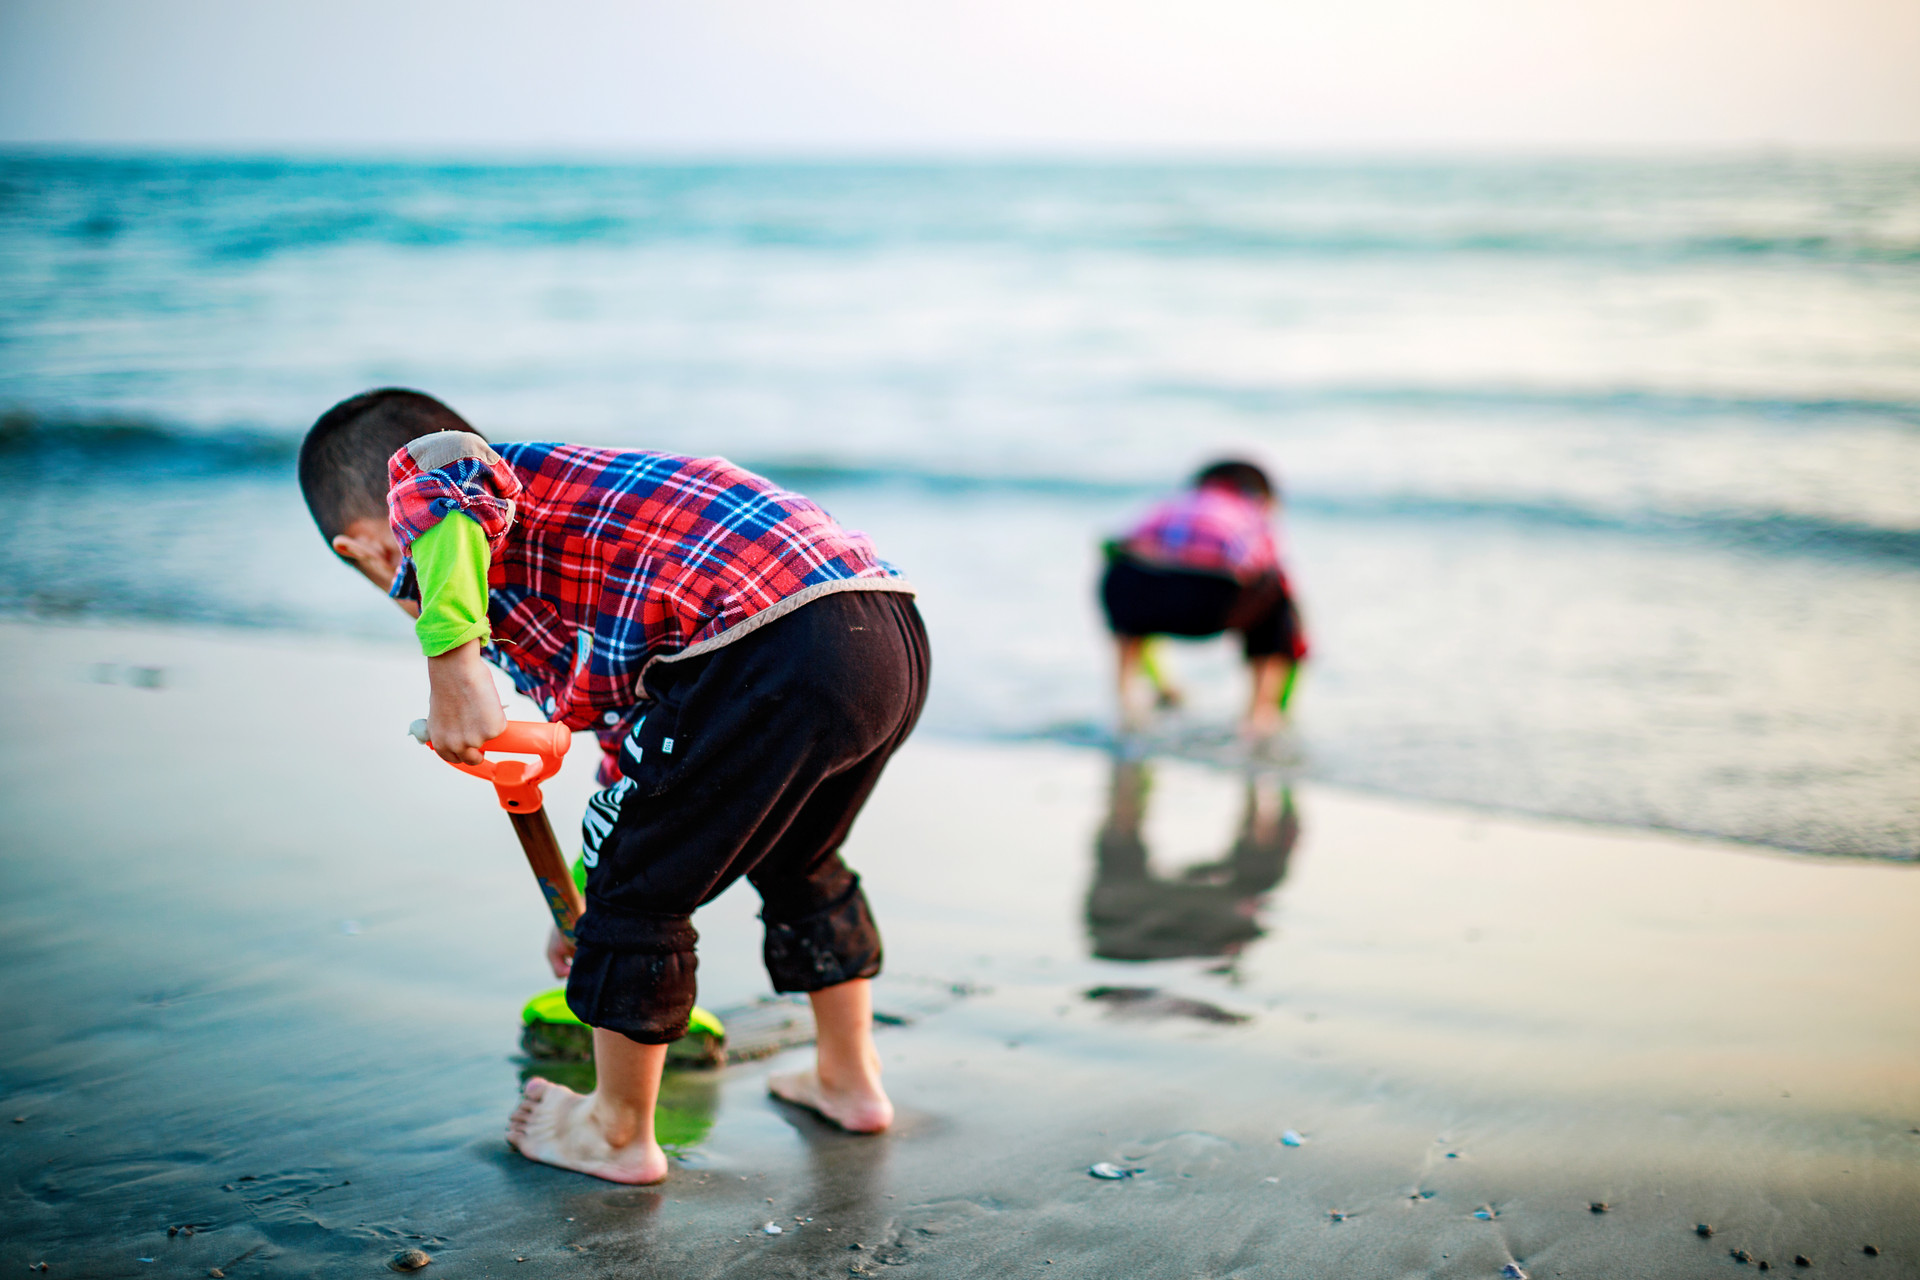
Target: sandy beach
265 959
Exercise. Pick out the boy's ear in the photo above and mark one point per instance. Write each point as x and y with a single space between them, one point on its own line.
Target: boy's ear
363 544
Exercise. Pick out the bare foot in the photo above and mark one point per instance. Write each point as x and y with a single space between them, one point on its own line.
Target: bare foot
557 1126
1262 725
861 1108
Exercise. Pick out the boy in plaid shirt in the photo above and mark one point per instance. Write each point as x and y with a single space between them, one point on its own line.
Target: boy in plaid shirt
749 667
1199 564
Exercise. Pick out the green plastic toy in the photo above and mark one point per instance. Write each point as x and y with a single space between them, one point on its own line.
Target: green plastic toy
551 1032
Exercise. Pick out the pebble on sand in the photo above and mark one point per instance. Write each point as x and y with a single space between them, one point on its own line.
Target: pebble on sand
1872 1251
1740 1255
1598 1206
1112 1172
216 1273
772 1228
1703 1231
409 1260
1513 1272
1802 1260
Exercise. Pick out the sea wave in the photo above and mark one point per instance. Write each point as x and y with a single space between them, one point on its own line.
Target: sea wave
270 237
1595 401
1763 532
115 446
108 450
272 207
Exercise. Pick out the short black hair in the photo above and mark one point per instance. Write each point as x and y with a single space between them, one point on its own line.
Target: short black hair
343 460
1236 474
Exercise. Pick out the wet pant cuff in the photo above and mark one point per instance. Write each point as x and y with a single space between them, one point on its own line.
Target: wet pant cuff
634 975
825 947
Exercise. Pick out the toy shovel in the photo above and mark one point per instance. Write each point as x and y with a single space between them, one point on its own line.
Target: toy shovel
517 783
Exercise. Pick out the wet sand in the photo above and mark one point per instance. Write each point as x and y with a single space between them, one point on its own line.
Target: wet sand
265 958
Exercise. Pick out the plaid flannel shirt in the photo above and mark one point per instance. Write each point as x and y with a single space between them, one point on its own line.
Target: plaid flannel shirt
1212 529
604 561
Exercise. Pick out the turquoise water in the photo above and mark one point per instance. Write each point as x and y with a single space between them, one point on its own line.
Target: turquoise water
1603 477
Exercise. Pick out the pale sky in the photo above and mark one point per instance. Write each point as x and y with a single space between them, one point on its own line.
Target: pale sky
917 76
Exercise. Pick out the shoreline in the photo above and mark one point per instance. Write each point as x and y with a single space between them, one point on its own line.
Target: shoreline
1200 744
1456 1012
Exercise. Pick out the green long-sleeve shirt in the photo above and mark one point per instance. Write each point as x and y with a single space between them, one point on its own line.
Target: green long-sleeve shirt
450 563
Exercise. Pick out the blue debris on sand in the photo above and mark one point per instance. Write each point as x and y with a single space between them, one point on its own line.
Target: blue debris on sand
1512 1271
1291 1139
1486 1214
1112 1172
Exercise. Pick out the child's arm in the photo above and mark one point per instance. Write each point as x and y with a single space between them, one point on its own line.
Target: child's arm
463 709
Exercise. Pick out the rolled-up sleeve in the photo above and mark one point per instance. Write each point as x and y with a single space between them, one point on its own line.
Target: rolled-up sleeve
445 472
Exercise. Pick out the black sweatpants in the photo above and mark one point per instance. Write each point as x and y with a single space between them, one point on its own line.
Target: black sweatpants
753 760
1145 600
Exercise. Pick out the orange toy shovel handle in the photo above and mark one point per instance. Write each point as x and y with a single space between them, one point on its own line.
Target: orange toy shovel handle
517 784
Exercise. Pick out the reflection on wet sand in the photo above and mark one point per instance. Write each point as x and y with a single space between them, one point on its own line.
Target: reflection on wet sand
1208 909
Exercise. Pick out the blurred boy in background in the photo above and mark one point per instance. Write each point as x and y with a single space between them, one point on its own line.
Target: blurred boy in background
1200 564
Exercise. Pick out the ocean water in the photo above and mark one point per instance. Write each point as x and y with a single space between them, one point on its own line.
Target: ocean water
1603 477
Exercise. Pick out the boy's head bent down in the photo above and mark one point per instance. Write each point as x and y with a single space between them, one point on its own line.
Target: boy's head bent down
343 471
1238 476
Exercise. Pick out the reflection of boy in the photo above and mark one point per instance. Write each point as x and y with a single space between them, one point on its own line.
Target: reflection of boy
659 601
1200 564
1132 914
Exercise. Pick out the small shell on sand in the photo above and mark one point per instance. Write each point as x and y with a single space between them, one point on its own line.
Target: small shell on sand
409 1260
772 1228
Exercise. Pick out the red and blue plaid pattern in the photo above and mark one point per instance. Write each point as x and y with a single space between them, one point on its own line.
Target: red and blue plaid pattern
603 560
1213 529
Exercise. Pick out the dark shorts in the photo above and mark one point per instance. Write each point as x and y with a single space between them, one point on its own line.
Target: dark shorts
1144 600
752 760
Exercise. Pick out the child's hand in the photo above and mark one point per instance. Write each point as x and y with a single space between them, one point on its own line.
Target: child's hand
559 953
463 708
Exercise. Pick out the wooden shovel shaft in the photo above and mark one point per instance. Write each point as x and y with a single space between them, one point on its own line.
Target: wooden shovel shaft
549 868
